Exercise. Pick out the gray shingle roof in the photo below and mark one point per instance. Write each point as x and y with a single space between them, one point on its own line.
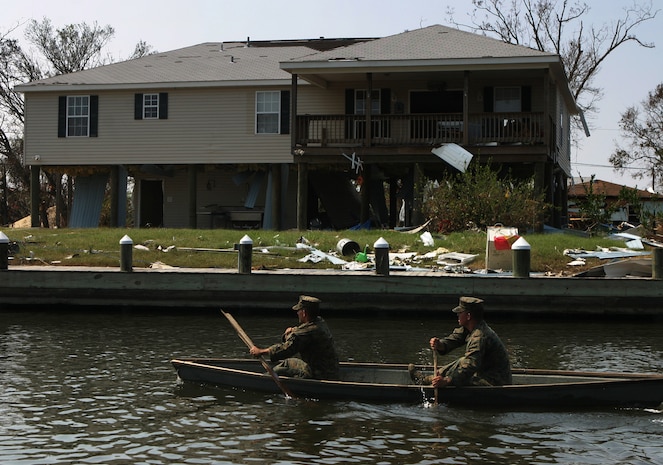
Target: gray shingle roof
433 42
235 62
202 63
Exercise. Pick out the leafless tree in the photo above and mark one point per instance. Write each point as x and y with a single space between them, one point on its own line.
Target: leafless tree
561 27
642 127
74 47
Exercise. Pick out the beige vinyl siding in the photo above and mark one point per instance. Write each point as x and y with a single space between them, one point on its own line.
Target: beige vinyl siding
314 100
203 126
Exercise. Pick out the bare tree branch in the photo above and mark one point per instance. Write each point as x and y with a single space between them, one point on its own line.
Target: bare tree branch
642 127
73 48
558 27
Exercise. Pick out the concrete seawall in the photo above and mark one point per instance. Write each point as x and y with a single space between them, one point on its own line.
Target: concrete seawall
340 290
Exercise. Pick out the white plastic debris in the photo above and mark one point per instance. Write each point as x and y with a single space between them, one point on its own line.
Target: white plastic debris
427 239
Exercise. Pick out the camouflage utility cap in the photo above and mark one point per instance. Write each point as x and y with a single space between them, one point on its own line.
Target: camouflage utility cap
308 303
469 304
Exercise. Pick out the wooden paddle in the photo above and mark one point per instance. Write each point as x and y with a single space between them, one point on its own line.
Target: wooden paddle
435 371
249 343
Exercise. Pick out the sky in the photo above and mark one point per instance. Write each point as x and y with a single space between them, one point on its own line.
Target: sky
626 77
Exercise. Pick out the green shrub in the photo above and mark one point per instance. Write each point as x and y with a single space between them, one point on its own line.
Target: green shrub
479 197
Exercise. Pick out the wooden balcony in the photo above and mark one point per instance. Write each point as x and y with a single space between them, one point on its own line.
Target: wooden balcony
420 130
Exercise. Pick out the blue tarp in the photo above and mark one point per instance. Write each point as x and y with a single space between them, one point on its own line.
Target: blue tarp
88 199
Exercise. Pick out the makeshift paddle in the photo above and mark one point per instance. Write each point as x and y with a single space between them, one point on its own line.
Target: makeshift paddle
435 371
249 343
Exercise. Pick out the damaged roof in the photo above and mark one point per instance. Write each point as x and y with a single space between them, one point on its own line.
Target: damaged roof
211 63
429 43
272 62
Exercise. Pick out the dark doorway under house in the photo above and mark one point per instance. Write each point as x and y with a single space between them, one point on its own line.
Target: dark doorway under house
151 204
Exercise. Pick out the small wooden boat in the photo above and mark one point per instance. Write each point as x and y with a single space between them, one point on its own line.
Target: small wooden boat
374 382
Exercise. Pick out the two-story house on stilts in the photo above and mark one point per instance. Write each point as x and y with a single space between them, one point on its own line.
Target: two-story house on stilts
328 133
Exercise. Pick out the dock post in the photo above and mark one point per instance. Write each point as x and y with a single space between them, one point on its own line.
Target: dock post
381 247
126 253
521 258
4 251
245 248
657 263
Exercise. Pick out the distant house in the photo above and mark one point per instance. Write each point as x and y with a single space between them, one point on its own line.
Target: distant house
293 133
650 202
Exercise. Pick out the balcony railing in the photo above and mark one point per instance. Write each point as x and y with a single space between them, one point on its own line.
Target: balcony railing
420 129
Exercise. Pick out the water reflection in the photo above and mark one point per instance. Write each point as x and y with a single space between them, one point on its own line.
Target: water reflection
86 388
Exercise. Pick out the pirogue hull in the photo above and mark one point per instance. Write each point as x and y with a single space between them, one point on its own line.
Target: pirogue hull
372 382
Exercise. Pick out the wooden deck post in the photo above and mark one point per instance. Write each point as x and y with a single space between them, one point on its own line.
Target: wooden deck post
365 195
35 196
193 196
114 197
276 198
302 196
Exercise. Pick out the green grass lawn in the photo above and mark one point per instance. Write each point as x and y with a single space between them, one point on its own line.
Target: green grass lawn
198 248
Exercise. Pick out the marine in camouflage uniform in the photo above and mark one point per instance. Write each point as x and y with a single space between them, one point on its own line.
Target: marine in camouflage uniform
485 363
486 360
306 350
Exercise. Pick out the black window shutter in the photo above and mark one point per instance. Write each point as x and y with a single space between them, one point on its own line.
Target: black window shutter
526 98
62 116
349 110
285 112
138 106
349 101
488 99
94 115
163 105
385 101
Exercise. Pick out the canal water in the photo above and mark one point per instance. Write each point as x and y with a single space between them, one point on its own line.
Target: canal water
90 387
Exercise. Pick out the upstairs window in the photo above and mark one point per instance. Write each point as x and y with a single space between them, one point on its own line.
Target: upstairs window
360 102
78 115
507 99
268 107
151 106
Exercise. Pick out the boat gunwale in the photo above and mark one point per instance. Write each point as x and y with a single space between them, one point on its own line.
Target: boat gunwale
583 377
292 379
